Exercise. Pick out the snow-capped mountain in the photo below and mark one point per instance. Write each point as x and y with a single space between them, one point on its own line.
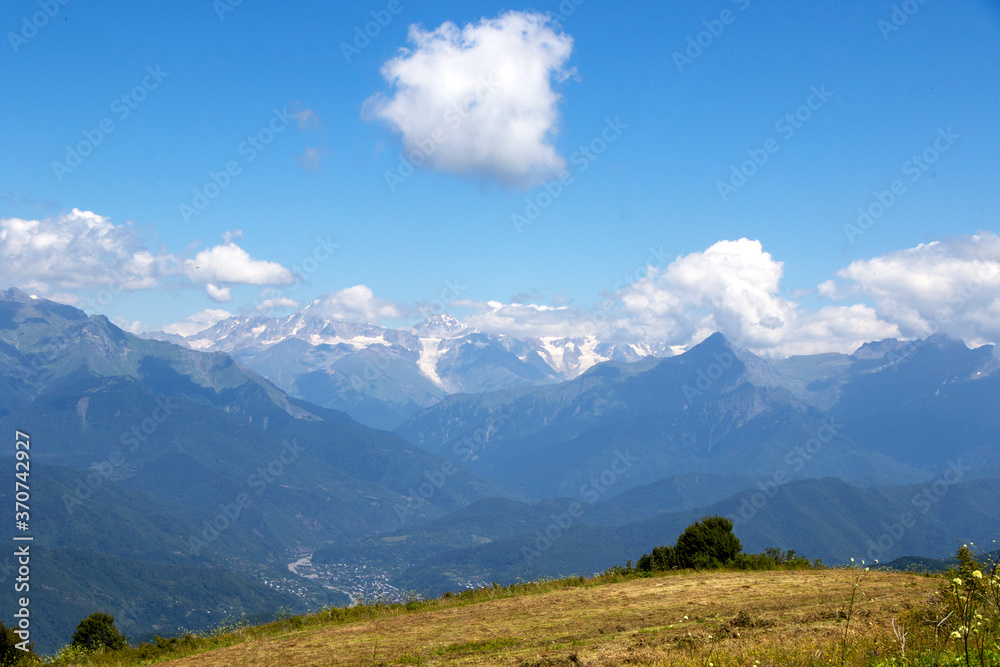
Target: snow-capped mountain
382 376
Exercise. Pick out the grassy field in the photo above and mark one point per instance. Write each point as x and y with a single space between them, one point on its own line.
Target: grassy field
717 618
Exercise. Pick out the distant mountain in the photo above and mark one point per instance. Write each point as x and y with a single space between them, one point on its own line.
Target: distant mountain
715 409
382 376
159 455
825 518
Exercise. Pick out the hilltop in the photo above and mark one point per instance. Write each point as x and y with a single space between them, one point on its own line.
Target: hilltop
676 618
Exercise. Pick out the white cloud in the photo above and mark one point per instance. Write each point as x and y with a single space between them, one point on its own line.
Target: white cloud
480 99
74 252
197 322
733 287
131 326
730 287
950 287
229 263
356 304
227 237
219 294
275 301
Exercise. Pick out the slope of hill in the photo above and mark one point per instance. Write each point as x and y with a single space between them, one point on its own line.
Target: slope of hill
683 619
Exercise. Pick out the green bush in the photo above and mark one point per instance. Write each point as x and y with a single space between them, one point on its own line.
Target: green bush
98 631
9 653
706 543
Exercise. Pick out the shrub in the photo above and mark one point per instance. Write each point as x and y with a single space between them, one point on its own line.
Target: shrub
707 543
9 653
98 631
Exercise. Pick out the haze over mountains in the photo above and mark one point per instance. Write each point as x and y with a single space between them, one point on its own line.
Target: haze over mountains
158 464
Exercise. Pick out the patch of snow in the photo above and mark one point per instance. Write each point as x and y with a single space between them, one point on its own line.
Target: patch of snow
430 352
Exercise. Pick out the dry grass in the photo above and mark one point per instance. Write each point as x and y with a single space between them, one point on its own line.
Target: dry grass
784 617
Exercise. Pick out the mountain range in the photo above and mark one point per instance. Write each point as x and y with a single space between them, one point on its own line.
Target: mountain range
382 376
177 484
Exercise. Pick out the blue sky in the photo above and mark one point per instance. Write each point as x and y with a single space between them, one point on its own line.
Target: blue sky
223 70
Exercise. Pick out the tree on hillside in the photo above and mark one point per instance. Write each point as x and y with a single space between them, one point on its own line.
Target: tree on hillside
98 630
9 653
706 543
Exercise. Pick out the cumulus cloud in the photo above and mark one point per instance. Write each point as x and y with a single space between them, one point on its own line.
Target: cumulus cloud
229 263
73 252
950 287
356 304
479 99
219 294
76 250
197 322
733 287
730 287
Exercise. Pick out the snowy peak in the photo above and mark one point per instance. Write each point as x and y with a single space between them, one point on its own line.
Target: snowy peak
440 326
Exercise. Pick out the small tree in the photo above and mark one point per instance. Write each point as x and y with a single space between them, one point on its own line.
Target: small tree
98 631
707 543
10 654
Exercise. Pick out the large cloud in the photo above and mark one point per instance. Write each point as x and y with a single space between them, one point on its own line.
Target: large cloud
76 250
731 287
80 251
229 263
479 99
950 287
